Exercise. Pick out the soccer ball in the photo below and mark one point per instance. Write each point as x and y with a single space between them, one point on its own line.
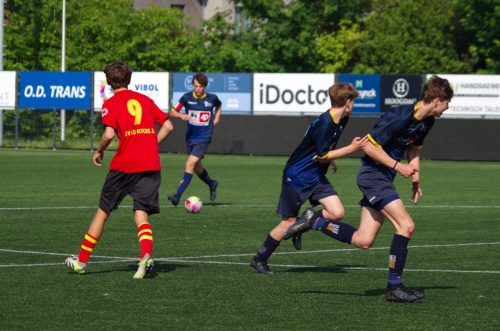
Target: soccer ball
193 204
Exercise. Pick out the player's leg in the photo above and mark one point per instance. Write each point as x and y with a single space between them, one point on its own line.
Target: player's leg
145 237
79 264
288 206
333 209
115 188
200 150
146 202
404 225
371 221
271 243
325 220
186 179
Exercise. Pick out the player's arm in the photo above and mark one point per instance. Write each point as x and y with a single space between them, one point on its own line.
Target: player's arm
165 131
377 153
175 112
413 154
218 111
356 144
106 139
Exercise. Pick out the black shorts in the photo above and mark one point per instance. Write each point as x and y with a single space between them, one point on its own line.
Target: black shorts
378 190
197 149
141 186
292 199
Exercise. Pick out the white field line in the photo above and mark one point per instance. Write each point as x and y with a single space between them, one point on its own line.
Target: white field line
197 259
208 205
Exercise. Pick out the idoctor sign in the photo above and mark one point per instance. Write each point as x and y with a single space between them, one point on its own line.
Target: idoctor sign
60 90
291 93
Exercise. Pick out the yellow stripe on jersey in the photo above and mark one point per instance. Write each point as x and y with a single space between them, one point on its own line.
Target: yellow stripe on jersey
324 156
373 141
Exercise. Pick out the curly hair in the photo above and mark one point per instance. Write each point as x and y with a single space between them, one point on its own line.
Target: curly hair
118 75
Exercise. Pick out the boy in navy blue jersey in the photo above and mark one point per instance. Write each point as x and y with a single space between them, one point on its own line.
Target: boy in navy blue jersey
400 130
304 176
203 112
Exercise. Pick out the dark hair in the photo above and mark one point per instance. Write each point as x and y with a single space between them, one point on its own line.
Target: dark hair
436 87
200 78
118 75
340 93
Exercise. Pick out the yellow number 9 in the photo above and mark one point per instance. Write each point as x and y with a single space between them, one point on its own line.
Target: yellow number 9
134 108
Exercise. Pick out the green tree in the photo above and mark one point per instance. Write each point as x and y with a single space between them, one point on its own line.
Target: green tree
97 32
289 31
478 35
32 35
405 36
337 50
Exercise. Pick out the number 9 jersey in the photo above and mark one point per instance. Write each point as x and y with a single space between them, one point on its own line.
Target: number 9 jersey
133 116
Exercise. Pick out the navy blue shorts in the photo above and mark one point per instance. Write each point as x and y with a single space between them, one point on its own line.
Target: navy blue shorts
141 186
292 199
378 190
197 149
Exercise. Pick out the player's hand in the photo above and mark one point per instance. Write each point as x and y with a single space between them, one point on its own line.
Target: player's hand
185 117
417 192
406 170
334 166
359 143
97 158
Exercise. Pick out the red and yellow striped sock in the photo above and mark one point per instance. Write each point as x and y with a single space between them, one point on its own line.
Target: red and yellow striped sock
88 245
145 236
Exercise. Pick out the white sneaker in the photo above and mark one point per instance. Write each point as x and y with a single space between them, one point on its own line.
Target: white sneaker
145 267
72 263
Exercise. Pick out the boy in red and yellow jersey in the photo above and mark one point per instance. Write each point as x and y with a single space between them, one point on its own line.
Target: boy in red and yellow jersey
135 169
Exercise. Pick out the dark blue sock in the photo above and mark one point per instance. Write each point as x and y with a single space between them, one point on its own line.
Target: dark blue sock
338 230
205 177
186 179
268 248
397 258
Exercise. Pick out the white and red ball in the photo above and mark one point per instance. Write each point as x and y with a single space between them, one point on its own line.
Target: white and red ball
193 204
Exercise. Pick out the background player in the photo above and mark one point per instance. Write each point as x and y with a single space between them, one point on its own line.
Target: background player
203 112
401 130
135 168
304 176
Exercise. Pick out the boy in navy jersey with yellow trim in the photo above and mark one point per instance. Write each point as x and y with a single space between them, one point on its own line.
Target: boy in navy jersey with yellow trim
203 112
401 130
304 176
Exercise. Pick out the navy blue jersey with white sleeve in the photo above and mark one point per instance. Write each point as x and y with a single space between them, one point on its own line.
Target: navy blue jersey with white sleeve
201 112
302 169
395 131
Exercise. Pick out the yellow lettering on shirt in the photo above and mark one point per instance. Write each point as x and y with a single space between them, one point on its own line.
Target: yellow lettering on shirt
134 132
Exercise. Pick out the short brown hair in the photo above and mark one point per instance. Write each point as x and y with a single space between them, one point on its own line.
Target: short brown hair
436 87
340 93
200 78
118 75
